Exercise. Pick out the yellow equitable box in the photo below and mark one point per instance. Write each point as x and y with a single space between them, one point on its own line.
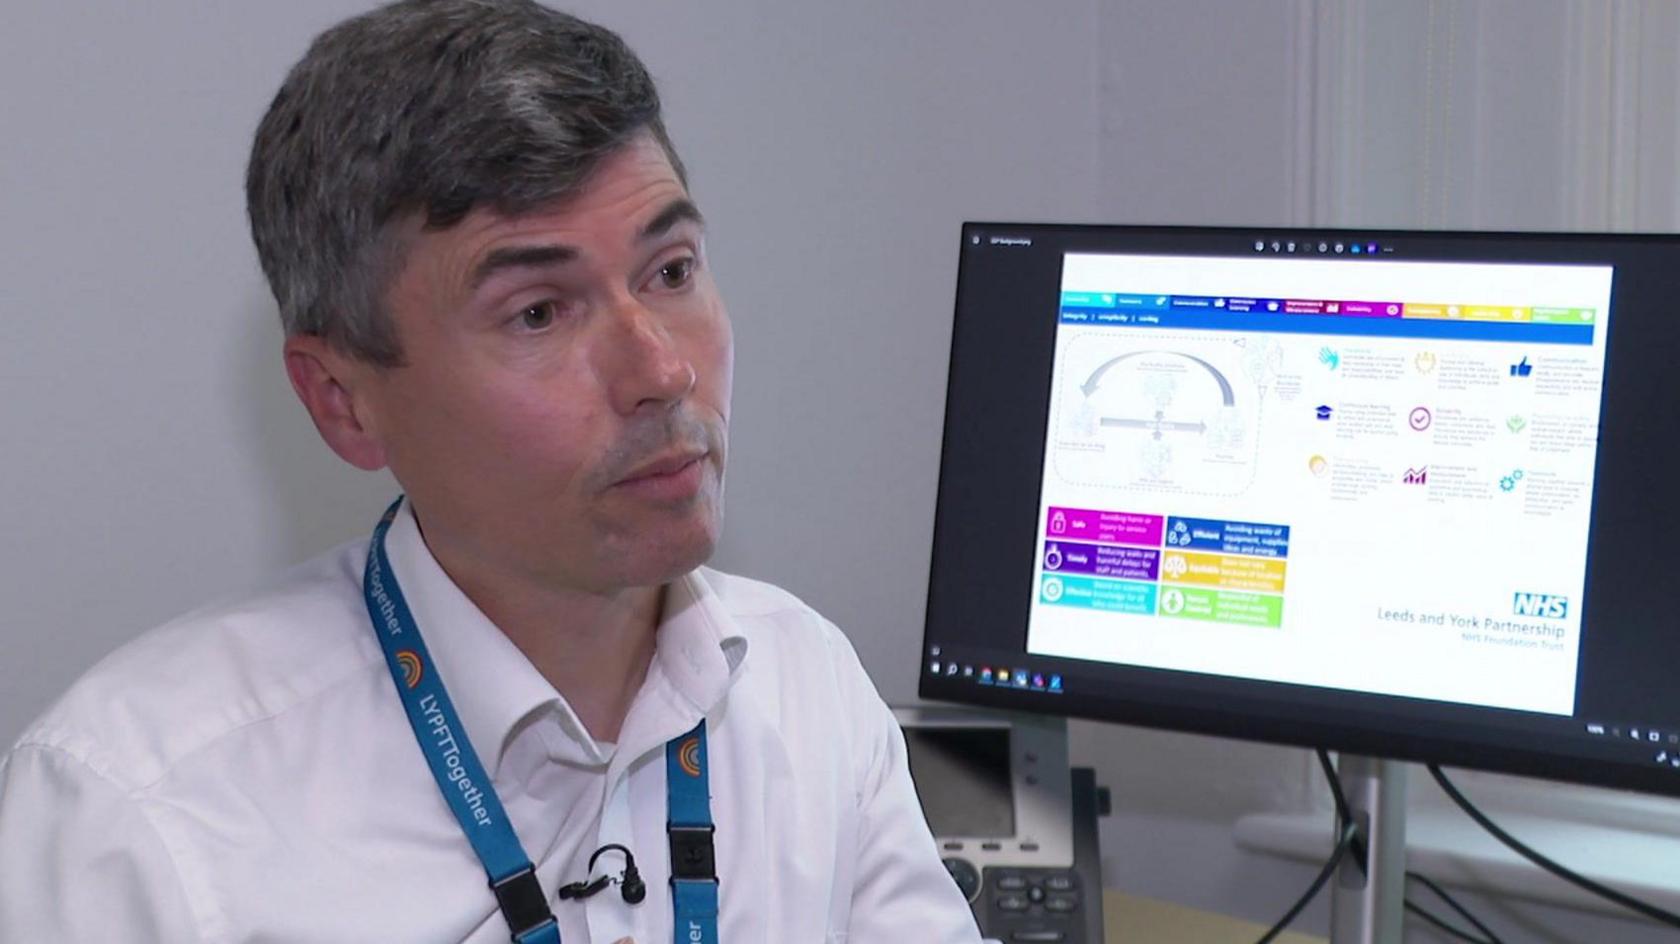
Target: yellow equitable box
1223 570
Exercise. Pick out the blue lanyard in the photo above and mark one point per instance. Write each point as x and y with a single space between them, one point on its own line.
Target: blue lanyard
473 800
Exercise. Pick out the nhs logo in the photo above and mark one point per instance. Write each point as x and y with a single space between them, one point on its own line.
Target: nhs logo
1545 605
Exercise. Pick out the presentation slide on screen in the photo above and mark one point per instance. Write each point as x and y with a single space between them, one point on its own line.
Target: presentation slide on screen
1366 475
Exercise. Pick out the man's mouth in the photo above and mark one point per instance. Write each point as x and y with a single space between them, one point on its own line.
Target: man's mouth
670 475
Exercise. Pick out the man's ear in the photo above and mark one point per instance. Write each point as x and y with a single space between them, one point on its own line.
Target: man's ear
327 380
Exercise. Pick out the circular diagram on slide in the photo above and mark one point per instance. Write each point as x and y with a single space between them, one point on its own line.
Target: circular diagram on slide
1178 414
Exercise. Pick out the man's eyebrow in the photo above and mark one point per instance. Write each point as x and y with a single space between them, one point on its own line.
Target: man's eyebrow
520 257
677 211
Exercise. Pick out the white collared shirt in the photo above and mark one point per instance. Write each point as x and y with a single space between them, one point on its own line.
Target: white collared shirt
247 774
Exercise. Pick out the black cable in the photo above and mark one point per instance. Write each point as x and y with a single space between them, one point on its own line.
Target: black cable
1350 841
1344 812
1456 934
631 886
1441 893
1342 845
584 889
1605 892
1349 836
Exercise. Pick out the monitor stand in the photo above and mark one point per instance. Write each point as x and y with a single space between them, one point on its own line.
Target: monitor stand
1366 906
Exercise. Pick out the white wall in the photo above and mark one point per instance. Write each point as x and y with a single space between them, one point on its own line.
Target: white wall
154 458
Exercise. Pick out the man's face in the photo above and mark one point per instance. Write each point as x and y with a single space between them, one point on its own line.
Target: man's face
562 412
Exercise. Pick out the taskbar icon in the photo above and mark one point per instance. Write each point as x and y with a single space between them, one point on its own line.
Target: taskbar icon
1006 677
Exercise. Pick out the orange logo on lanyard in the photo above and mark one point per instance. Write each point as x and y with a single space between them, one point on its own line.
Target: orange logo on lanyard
409 661
688 756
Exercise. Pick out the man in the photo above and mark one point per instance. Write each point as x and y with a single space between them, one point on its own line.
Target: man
493 282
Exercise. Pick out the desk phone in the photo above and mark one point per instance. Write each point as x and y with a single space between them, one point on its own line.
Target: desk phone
1016 826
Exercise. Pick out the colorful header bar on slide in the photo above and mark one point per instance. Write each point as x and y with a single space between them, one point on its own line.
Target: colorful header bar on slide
1549 325
1347 308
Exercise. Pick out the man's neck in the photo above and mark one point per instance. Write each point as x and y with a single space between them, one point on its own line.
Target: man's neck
594 649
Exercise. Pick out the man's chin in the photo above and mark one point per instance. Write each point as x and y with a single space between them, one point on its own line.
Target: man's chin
667 557
642 546
677 561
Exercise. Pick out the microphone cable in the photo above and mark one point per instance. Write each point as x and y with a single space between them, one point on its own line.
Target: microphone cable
630 883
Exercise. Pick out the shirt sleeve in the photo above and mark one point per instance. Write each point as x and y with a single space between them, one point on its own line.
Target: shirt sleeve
79 860
902 891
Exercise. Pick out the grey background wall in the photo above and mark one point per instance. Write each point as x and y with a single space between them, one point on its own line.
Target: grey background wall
154 458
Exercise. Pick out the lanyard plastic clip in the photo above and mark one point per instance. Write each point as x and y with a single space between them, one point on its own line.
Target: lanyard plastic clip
693 857
523 904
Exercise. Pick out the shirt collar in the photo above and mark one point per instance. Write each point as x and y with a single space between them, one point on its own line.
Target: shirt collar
697 657
699 648
491 683
698 651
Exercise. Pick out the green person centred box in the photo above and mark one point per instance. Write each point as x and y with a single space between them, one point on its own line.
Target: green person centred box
1561 315
1221 606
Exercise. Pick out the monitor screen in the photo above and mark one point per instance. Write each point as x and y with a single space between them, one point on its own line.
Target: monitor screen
963 779
1393 493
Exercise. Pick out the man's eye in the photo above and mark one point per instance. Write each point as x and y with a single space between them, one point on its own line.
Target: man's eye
676 273
539 316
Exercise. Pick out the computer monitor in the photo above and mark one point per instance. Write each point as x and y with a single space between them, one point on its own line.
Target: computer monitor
1397 494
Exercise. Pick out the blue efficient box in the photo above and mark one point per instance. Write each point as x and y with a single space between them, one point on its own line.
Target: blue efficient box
1228 537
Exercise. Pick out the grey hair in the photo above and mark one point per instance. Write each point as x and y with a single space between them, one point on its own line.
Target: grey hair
427 109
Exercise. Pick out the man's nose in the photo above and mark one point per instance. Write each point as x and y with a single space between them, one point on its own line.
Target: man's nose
645 364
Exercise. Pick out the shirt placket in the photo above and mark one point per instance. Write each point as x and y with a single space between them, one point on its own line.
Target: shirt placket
609 918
